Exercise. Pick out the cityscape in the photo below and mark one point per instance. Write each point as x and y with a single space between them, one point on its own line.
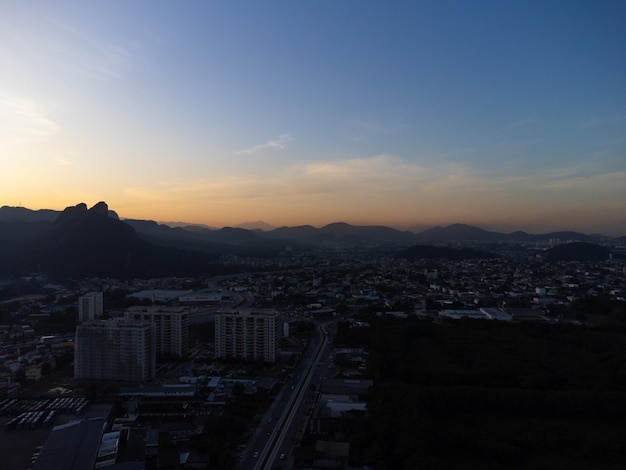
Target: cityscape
273 359
349 235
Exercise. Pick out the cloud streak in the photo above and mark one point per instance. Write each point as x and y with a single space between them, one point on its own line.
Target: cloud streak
525 122
386 188
81 54
23 119
279 143
52 42
63 161
594 120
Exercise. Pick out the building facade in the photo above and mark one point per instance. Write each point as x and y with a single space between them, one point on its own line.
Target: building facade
116 349
172 328
90 306
247 334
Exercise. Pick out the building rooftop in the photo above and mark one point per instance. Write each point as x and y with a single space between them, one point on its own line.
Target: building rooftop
72 446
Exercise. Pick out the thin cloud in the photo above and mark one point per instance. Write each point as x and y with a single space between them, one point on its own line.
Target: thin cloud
61 45
364 129
525 122
279 143
84 53
385 186
63 161
368 171
390 190
24 119
595 120
614 181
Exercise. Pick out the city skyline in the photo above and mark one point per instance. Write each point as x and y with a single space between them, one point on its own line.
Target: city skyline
505 115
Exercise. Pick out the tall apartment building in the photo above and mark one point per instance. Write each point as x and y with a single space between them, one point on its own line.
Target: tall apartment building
172 327
90 306
117 349
247 334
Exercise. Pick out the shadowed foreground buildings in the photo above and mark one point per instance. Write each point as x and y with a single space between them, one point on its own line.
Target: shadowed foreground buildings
247 334
119 350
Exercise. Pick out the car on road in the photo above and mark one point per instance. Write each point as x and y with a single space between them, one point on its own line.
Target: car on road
282 456
256 455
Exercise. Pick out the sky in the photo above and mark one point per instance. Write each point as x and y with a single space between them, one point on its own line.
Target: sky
508 115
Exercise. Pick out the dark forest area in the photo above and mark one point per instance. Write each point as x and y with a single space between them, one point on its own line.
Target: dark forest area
487 395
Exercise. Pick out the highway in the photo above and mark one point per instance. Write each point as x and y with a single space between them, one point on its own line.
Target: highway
280 428
291 408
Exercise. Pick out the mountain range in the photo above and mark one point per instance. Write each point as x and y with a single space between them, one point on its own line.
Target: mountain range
82 242
87 242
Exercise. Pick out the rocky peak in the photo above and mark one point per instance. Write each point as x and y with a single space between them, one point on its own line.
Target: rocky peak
101 209
71 213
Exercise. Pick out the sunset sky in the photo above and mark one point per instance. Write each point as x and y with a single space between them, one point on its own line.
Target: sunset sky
510 115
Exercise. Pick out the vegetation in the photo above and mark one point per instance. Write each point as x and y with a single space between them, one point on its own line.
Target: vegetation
477 394
224 432
58 322
577 251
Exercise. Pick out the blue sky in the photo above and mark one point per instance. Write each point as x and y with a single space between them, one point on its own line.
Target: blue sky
503 114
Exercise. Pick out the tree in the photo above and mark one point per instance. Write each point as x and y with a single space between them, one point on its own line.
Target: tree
46 368
238 389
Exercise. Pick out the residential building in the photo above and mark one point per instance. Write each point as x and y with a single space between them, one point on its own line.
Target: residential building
117 349
90 306
247 334
172 327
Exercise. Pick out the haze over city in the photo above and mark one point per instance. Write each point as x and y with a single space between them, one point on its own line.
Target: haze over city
508 115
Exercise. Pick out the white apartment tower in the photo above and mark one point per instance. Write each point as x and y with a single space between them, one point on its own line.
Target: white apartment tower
172 328
247 334
90 306
116 349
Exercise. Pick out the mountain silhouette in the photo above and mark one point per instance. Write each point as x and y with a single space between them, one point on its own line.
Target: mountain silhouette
21 214
83 242
461 232
79 241
258 225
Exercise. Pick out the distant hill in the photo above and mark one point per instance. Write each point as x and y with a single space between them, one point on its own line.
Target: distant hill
187 225
341 232
258 225
469 233
213 241
20 228
460 232
298 232
21 214
368 232
577 251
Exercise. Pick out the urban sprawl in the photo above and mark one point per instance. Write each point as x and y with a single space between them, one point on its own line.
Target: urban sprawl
249 369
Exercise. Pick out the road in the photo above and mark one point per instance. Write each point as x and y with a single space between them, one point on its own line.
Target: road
290 410
283 424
